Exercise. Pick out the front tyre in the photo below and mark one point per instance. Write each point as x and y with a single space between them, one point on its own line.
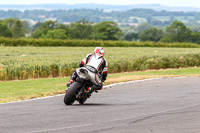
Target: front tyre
82 101
70 95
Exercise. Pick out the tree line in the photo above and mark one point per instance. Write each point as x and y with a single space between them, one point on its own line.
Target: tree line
107 30
99 15
176 32
82 29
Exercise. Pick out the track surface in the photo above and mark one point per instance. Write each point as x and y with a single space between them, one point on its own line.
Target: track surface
169 105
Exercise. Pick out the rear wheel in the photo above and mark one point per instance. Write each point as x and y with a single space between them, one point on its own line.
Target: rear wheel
70 95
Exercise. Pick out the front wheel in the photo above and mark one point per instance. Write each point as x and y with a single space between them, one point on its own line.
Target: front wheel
82 101
70 95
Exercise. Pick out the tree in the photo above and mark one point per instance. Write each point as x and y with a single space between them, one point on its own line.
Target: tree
50 25
5 31
10 22
107 30
36 26
152 34
195 37
39 33
42 29
56 34
80 30
16 26
143 27
131 37
177 32
18 29
26 26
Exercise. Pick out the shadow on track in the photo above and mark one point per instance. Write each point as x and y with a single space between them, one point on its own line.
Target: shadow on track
92 104
104 104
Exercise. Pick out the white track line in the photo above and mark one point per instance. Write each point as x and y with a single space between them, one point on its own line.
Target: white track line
56 129
107 86
136 81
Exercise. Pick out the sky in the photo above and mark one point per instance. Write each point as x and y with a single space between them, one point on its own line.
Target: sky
176 3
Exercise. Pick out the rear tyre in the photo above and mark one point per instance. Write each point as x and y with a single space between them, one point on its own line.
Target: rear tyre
70 95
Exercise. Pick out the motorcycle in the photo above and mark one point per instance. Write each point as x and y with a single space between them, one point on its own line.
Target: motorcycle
78 90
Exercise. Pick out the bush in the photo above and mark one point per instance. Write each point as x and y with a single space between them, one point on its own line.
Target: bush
88 43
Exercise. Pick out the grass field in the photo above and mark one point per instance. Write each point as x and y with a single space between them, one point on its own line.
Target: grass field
28 89
62 55
43 62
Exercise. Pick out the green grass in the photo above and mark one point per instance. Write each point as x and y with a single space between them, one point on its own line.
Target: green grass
43 55
43 62
63 55
181 72
28 89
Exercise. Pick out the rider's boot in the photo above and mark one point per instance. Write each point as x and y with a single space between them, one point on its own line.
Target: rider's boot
70 82
93 88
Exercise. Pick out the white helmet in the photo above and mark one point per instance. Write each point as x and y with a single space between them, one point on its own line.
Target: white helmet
99 51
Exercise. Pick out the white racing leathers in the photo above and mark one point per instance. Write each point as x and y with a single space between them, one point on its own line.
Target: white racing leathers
97 65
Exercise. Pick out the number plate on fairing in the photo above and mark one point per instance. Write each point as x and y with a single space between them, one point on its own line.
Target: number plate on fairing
91 69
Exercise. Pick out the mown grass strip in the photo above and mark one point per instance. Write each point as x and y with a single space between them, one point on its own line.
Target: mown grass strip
29 89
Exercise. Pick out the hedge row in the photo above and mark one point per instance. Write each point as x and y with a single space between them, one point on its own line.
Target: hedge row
59 70
86 43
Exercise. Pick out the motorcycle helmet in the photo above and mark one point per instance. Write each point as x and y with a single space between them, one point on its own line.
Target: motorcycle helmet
99 51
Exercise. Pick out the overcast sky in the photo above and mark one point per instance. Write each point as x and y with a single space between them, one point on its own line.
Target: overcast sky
188 3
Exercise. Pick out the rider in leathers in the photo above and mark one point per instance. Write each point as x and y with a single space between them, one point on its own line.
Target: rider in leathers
95 61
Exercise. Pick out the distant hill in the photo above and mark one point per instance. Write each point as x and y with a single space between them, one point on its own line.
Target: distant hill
156 7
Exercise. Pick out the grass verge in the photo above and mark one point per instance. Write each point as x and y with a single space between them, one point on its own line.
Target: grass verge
29 89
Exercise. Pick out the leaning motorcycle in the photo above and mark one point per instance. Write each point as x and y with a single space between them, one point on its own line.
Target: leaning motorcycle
78 90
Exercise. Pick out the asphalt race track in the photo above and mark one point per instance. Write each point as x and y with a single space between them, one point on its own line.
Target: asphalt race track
167 105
